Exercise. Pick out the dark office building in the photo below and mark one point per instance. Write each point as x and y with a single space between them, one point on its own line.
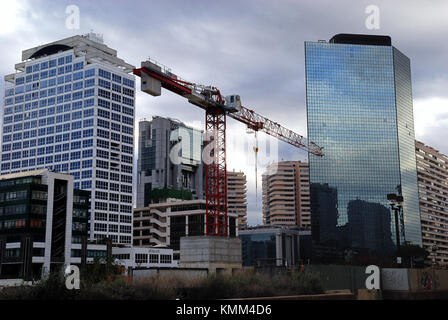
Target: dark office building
274 246
359 109
43 222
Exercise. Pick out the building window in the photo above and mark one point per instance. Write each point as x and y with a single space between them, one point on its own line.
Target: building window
165 258
141 258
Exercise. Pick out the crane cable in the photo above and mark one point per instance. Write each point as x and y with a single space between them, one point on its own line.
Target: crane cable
256 174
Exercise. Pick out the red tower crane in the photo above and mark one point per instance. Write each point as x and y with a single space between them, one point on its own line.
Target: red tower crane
155 76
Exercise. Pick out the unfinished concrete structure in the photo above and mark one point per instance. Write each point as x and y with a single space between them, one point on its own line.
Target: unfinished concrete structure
217 254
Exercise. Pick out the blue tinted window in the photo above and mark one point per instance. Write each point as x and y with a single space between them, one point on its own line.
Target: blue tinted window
89 73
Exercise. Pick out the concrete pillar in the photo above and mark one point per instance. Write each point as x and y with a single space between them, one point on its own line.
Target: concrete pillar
26 248
278 250
48 225
108 253
68 224
83 252
2 251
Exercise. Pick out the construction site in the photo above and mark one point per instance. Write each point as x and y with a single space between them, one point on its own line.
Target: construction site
215 246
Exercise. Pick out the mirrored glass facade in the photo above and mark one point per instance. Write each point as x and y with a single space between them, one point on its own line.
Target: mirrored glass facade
191 144
258 248
359 108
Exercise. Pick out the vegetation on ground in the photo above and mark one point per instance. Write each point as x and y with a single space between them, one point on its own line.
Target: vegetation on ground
106 286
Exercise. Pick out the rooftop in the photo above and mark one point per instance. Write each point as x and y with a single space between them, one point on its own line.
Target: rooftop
365 39
23 174
90 45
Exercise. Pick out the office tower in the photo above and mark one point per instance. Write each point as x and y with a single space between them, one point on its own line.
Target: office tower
42 222
286 194
359 109
236 196
169 160
432 173
69 107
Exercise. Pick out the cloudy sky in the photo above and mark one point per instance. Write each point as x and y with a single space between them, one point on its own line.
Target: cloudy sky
252 48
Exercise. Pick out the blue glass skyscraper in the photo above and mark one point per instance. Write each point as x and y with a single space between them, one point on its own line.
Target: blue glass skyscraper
359 108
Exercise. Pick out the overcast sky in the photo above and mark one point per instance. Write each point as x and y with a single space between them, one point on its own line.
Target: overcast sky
252 48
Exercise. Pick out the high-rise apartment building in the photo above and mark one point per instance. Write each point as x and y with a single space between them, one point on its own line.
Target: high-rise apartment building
236 196
432 173
69 107
286 194
169 159
359 109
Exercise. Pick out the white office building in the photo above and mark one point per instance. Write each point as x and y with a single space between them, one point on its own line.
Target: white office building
135 257
69 107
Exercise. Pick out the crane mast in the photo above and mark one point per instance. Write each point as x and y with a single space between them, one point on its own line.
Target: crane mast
155 76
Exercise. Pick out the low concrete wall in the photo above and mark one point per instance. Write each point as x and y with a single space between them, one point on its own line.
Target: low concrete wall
14 282
394 279
336 277
324 296
365 294
175 273
428 280
420 295
395 283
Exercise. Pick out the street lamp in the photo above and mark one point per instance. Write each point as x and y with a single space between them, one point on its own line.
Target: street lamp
396 203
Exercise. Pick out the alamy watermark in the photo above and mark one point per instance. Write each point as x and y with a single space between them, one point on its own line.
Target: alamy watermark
72 21
373 280
188 144
72 277
373 19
